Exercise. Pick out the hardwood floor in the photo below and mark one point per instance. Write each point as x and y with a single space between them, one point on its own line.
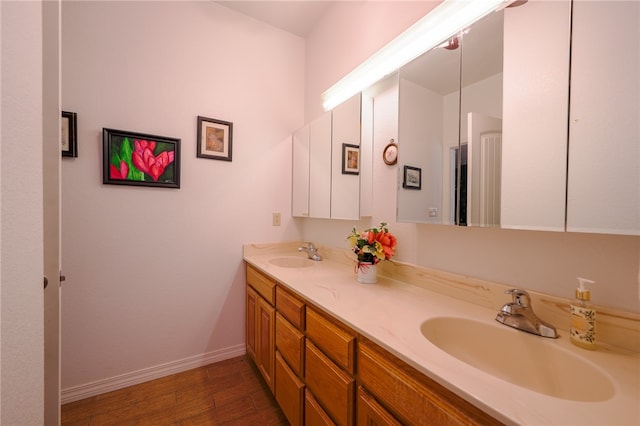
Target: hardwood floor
226 393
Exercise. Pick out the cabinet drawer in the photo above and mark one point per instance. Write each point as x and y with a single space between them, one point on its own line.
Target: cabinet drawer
292 308
265 286
411 396
289 392
290 343
333 388
371 413
314 415
335 341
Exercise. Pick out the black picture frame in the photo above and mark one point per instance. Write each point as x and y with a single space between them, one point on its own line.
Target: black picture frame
69 134
412 178
350 159
140 159
215 139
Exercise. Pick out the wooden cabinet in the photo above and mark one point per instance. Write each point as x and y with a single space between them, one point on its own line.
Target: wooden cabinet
412 397
314 414
371 413
308 360
261 323
335 340
330 385
289 391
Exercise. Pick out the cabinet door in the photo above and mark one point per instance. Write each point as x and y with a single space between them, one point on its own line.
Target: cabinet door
252 306
290 343
604 152
371 413
330 385
300 177
265 347
414 398
314 415
345 183
335 341
289 392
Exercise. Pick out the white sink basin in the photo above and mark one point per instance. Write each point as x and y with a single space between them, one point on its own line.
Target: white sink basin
520 358
291 262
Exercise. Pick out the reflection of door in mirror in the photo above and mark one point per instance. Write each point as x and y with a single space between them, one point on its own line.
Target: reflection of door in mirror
484 159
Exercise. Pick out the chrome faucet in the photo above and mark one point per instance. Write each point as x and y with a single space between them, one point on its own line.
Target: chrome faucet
519 314
312 251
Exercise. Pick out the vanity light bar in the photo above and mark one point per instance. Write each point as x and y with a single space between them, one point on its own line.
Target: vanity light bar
447 19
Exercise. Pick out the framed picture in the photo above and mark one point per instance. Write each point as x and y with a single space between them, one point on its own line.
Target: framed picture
350 159
131 158
215 139
412 178
69 134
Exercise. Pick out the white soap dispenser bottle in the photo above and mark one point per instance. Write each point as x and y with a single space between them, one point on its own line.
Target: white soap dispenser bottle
583 318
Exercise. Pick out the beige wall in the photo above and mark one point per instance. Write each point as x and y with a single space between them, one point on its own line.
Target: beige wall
155 277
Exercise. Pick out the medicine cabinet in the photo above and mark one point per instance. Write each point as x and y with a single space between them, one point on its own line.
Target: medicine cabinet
332 163
512 165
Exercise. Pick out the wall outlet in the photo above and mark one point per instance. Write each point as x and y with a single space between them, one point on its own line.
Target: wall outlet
276 219
433 211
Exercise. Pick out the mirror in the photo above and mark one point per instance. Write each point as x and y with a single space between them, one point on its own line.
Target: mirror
428 139
332 166
512 112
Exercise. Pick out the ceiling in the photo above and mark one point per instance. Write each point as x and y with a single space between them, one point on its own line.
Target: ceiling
297 17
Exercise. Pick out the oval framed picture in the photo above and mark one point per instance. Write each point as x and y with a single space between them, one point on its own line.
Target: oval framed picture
390 153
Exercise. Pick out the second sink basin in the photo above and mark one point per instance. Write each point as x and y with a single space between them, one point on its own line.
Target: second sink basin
519 358
291 262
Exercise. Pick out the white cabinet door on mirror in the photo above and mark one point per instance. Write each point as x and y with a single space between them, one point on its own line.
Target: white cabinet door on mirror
300 175
346 159
536 105
320 167
604 142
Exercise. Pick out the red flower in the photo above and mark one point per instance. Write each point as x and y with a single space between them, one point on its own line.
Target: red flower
144 159
122 173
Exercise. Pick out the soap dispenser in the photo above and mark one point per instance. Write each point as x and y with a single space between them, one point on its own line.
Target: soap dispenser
583 317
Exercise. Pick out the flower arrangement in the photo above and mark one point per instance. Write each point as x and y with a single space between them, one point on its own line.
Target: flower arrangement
373 245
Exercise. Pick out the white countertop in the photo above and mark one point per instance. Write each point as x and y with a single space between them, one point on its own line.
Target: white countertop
391 312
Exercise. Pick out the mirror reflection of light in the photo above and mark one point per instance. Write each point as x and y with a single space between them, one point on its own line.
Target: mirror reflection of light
437 26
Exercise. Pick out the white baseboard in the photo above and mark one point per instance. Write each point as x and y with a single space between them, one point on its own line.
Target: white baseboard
133 378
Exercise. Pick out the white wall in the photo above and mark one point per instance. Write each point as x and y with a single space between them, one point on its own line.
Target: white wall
21 258
155 275
347 35
541 261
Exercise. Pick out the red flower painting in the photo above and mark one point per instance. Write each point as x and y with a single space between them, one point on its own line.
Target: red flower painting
145 161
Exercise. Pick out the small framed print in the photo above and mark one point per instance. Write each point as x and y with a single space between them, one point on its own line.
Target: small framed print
412 178
390 153
69 134
215 138
350 159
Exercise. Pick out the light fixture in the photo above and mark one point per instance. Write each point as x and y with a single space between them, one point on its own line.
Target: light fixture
446 20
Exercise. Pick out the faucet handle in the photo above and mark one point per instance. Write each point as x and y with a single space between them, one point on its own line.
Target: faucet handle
520 297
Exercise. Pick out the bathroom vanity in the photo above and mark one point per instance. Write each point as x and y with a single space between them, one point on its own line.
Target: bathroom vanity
422 347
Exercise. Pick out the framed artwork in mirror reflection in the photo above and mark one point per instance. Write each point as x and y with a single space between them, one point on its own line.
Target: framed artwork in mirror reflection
69 134
350 159
412 178
215 139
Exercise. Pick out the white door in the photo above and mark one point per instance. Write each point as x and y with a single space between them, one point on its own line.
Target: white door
477 125
51 208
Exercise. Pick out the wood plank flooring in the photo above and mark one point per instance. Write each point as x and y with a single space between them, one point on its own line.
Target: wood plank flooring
226 393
